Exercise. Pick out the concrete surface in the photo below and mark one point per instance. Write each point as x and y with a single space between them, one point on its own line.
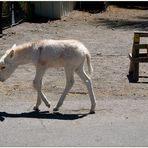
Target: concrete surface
112 125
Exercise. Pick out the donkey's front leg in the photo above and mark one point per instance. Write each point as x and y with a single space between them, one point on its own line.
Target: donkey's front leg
38 86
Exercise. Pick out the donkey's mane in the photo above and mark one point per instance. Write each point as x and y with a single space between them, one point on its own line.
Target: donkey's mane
24 46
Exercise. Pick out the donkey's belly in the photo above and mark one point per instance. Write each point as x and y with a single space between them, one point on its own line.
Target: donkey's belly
52 62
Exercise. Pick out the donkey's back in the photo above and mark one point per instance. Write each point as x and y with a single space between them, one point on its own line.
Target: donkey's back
61 52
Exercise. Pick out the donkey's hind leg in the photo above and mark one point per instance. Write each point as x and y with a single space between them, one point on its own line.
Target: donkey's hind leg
87 80
69 72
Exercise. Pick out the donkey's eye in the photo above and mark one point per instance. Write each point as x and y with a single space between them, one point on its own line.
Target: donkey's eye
3 67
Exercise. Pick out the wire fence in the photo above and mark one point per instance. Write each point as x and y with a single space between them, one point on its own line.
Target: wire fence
12 13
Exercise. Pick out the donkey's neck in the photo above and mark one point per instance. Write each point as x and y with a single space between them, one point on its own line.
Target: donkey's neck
24 54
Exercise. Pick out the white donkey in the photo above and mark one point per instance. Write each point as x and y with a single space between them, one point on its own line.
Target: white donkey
69 54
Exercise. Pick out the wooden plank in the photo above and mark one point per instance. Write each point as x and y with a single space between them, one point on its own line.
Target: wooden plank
135 65
140 59
143 55
140 46
136 38
141 34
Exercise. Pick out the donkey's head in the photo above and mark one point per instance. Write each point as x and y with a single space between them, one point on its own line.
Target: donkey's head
7 65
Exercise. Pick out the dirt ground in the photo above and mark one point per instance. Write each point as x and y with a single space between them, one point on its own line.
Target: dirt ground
108 36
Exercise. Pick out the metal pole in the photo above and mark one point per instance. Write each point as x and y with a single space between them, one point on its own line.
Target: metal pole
12 12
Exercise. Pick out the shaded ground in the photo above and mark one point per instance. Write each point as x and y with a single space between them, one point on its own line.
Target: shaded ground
122 113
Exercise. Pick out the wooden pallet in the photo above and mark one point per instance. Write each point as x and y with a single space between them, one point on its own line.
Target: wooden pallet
136 57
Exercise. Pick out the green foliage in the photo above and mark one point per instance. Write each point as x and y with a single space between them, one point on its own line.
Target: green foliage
23 5
5 8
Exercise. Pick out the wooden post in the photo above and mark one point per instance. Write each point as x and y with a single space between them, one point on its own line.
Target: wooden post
0 18
134 66
136 54
136 57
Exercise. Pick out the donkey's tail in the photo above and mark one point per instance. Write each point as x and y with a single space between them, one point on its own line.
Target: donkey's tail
88 58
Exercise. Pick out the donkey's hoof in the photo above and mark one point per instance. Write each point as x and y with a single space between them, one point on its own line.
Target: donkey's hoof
55 109
48 105
92 112
36 109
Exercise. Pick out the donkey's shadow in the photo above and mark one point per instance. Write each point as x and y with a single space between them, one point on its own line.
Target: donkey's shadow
42 115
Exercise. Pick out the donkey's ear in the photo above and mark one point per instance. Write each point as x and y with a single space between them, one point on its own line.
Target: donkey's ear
11 54
13 46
